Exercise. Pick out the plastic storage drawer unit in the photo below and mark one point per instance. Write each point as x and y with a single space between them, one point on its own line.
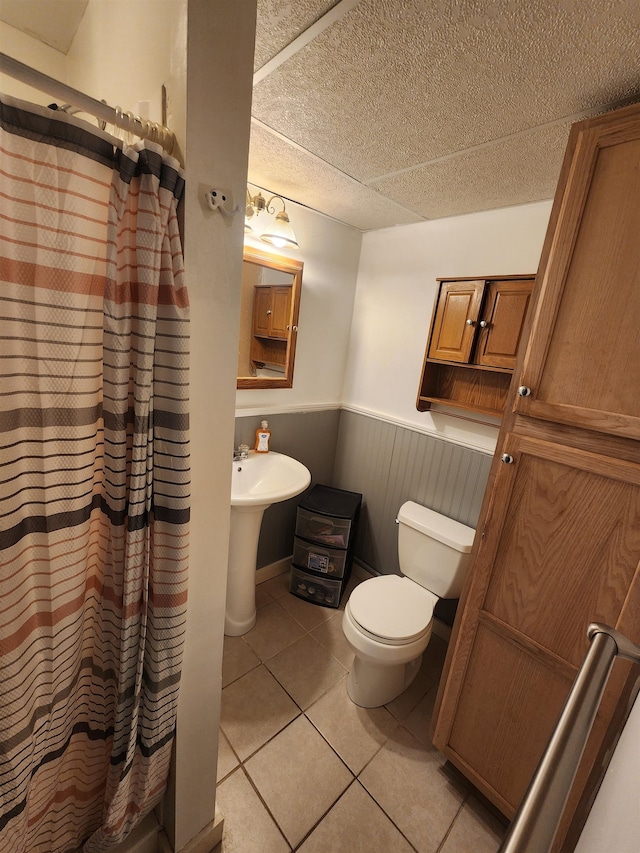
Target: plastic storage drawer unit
316 558
318 590
322 528
323 545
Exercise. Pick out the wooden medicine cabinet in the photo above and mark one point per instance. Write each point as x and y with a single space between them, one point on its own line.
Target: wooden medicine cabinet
270 303
476 328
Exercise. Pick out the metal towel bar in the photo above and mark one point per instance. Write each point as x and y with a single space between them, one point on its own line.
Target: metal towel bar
535 824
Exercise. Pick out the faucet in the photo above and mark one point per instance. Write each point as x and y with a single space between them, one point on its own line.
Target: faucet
241 453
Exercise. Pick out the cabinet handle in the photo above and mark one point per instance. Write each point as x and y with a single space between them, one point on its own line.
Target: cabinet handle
268 310
483 324
470 322
523 391
295 328
507 458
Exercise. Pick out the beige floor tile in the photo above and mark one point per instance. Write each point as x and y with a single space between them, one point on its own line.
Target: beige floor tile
356 824
306 670
414 789
352 583
273 631
433 658
298 792
404 704
254 709
237 659
419 720
331 636
248 827
278 586
307 614
475 830
262 596
355 733
227 760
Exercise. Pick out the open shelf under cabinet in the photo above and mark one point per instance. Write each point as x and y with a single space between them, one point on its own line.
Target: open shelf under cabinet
464 386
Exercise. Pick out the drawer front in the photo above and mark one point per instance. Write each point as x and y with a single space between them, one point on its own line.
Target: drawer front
318 590
317 558
324 529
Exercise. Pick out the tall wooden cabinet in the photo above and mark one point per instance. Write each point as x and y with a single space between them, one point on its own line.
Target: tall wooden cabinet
558 542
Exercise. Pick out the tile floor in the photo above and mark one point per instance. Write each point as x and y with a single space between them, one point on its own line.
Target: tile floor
302 768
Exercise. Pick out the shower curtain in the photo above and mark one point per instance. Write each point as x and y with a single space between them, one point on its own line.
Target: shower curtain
94 473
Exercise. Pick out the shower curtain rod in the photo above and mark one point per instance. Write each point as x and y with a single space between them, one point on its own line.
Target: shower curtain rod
127 121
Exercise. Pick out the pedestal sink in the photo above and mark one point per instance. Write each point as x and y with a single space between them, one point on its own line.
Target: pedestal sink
256 483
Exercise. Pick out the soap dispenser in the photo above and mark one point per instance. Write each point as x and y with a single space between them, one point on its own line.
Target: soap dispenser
263 437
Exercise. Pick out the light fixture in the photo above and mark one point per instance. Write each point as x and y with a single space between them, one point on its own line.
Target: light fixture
279 233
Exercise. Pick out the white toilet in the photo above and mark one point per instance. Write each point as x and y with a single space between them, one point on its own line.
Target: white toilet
387 620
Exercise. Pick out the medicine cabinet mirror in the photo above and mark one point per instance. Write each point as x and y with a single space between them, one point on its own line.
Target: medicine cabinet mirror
269 306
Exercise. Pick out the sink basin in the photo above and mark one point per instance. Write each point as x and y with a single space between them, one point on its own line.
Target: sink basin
256 483
266 478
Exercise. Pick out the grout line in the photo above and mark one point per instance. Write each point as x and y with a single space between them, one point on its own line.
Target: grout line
315 826
268 810
400 724
455 818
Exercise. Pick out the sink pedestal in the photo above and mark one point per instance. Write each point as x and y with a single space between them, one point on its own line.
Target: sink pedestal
257 482
240 613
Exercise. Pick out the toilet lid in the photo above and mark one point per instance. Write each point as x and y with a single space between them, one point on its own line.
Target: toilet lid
393 608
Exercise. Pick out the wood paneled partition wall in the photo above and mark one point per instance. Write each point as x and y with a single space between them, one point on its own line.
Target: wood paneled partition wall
386 462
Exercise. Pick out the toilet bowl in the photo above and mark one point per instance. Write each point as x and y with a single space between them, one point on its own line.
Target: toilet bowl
388 619
387 622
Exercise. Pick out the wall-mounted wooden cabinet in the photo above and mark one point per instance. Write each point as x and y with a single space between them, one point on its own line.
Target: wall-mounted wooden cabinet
271 324
476 329
271 309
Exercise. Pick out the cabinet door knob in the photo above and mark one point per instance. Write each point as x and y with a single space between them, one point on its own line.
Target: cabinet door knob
523 391
483 324
507 458
268 310
469 322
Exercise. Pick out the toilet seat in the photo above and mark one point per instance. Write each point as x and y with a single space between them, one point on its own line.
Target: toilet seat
392 609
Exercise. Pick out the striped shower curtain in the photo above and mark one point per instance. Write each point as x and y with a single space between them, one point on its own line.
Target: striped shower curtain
94 473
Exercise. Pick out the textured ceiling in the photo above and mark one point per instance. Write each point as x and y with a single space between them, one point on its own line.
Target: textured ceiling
385 112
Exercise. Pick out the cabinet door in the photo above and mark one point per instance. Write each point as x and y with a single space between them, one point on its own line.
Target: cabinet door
262 311
456 320
280 311
559 549
502 322
583 362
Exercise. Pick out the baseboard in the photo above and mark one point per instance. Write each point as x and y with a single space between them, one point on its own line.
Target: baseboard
441 629
142 839
360 572
205 841
273 570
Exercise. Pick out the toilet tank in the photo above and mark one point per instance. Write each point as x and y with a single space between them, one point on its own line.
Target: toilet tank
433 550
